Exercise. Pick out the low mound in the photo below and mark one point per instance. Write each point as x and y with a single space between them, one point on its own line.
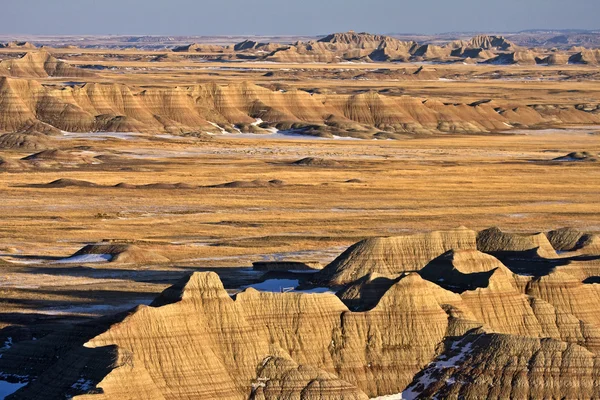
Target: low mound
158 186
426 73
166 58
65 182
258 183
122 253
316 162
494 241
25 141
198 47
164 186
11 165
124 185
59 156
579 156
392 256
306 266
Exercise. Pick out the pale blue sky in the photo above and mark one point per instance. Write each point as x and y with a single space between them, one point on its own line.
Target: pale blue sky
286 17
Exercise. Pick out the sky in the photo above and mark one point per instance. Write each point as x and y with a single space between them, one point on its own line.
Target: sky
291 17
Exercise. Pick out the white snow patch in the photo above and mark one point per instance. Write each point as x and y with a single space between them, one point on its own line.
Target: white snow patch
397 396
275 285
223 131
86 258
345 138
411 394
101 135
7 344
7 388
93 309
303 271
83 385
284 285
427 377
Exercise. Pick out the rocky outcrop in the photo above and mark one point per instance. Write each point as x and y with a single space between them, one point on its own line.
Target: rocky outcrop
213 108
508 366
523 57
41 64
463 326
590 57
261 343
490 42
494 241
393 255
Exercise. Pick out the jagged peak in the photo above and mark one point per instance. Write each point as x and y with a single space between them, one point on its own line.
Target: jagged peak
489 42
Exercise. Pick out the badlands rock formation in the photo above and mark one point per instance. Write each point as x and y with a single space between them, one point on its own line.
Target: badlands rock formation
463 325
17 45
490 43
40 64
591 57
505 366
366 47
394 255
31 101
119 108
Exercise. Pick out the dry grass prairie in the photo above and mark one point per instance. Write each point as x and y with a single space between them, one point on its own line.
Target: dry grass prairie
395 186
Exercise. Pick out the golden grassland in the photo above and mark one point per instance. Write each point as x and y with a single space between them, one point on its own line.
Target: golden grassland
405 186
